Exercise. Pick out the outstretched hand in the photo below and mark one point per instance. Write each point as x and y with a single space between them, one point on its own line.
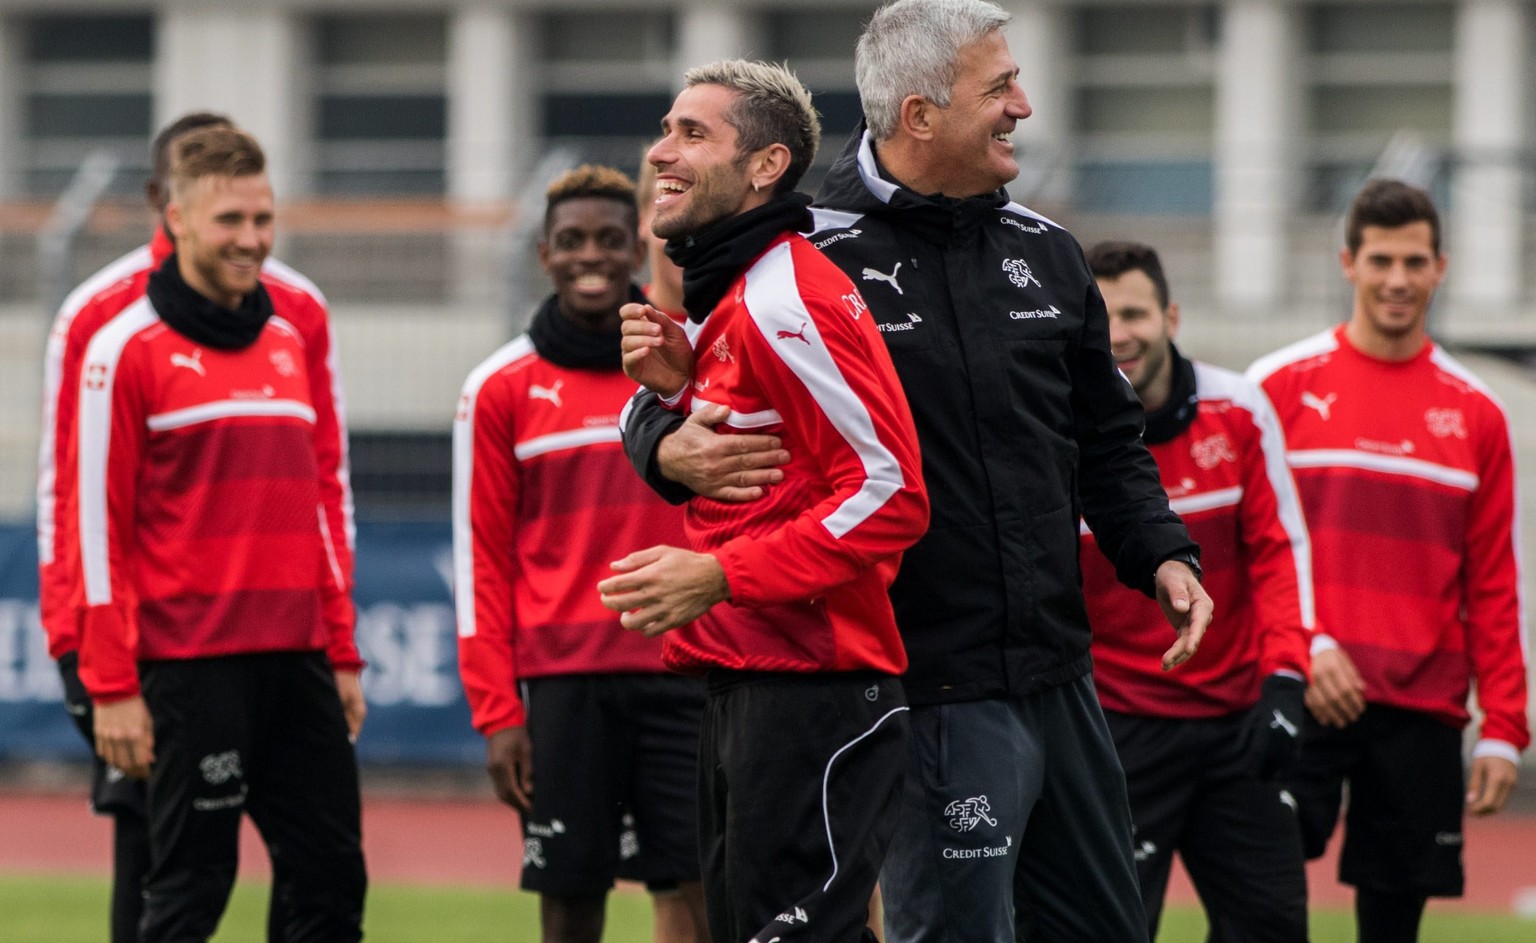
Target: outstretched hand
1186 606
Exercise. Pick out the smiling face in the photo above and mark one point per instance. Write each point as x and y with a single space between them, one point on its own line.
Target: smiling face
591 251
972 149
1395 273
223 228
1140 334
701 178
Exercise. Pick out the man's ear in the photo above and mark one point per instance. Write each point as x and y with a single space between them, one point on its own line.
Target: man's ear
544 254
1171 315
768 165
175 220
916 117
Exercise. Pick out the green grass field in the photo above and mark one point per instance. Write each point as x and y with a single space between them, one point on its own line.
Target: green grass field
73 910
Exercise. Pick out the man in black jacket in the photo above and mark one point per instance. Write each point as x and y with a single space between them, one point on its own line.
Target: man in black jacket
1000 337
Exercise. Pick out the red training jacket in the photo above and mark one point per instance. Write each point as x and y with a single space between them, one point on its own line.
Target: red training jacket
198 533
543 501
1406 474
1226 477
792 351
98 300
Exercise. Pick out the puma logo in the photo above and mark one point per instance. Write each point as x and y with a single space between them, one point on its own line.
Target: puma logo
1280 723
786 335
870 275
193 363
1324 405
549 393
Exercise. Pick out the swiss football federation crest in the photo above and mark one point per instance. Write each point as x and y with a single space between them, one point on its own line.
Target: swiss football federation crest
722 351
1212 451
1019 273
220 767
965 814
1446 423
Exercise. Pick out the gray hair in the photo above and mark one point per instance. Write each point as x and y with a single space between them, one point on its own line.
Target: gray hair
912 47
772 108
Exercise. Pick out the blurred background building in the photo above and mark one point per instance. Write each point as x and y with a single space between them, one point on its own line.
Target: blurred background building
410 141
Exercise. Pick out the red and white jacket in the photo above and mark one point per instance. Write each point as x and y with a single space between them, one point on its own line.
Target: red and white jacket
1406 473
792 351
98 300
199 530
543 501
1226 477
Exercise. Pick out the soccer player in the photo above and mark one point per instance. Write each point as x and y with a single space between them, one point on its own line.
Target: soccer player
581 719
804 735
97 300
1403 461
1000 339
1202 747
206 568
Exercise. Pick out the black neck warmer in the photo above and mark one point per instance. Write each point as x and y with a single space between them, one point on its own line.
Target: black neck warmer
1173 417
565 343
198 318
712 257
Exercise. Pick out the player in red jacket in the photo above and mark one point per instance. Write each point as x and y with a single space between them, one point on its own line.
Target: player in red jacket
582 722
206 572
804 735
1202 747
1404 465
93 303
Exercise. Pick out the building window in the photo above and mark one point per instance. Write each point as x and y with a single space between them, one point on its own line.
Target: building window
381 108
608 80
85 85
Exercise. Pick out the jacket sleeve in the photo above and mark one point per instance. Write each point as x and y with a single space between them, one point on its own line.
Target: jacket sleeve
485 488
104 453
57 574
840 395
337 528
1491 581
1277 548
1123 500
644 424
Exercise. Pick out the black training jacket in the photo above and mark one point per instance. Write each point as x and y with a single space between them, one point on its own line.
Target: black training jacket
1001 342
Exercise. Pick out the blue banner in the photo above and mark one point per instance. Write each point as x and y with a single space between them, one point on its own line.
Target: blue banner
405 631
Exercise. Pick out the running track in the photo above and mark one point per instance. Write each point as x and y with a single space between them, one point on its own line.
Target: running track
471 841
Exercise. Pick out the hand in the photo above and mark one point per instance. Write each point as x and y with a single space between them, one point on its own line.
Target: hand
1275 724
125 736
1490 784
350 689
509 760
661 588
657 354
1186 606
723 467
1336 696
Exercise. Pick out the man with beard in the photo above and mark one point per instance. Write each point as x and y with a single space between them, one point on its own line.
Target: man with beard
201 541
999 335
1404 465
581 720
97 300
801 752
1203 747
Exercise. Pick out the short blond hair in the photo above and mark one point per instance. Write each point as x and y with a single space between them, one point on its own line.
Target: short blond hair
215 151
772 107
